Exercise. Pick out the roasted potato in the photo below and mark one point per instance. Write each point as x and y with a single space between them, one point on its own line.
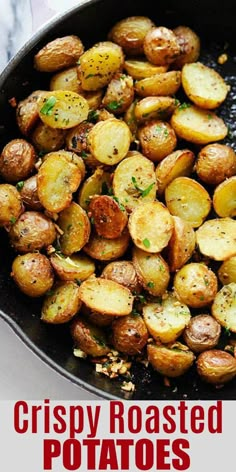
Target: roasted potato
129 334
227 271
67 80
106 296
130 33
161 46
78 267
166 320
189 200
124 273
17 160
46 139
61 304
216 162
62 109
75 225
181 245
202 333
196 285
10 205
157 139
130 120
189 43
104 249
152 270
108 216
154 108
94 185
216 366
76 138
33 274
224 198
224 306
170 361
161 84
89 338
151 226
59 54
178 163
216 238
141 69
27 112
119 94
134 181
197 125
29 193
32 232
97 319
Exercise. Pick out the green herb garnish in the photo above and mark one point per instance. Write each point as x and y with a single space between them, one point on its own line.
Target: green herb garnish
184 105
146 191
48 106
113 106
151 284
13 220
121 207
93 116
20 185
84 154
146 243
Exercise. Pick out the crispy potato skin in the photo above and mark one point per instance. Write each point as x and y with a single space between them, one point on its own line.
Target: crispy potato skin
31 232
170 362
224 305
216 162
161 46
119 94
181 245
33 274
67 80
124 273
178 163
141 69
62 304
152 270
189 43
29 194
202 333
130 33
224 198
27 112
151 108
196 285
129 334
104 249
76 138
109 219
89 338
157 140
10 204
17 160
93 185
59 54
76 228
216 366
47 139
161 84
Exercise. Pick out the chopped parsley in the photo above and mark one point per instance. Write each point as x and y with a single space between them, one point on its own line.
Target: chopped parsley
227 331
20 185
184 105
121 207
206 281
89 76
146 243
48 106
13 220
84 155
93 116
142 192
113 106
151 284
78 281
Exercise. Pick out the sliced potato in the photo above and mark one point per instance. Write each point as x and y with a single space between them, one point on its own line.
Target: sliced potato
109 141
216 238
61 304
99 63
224 307
150 108
196 285
130 32
198 126
224 198
189 43
141 69
75 225
157 139
129 334
167 320
161 46
109 218
67 80
181 245
62 109
178 163
163 84
94 185
130 120
89 338
203 85
104 249
27 112
76 267
47 139
59 54
227 271
10 204
170 361
151 226
124 273
106 296
188 199
153 271
57 180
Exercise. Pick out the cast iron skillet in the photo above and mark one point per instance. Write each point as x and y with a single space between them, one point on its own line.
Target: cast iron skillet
91 22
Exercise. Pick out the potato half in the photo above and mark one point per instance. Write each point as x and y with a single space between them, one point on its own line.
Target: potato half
181 245
94 185
130 33
227 271
224 198
109 218
153 271
124 273
103 249
61 304
62 109
141 69
216 238
157 108
178 163
75 225
224 307
170 361
10 204
77 267
89 338
162 84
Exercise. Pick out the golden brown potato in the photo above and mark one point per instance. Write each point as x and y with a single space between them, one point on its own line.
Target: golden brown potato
162 84
17 160
97 319
197 125
130 120
203 85
130 33
153 271
202 333
129 334
99 63
141 69
161 46
27 112
188 199
124 273
75 225
61 304
224 198
78 267
94 185
94 100
216 366
89 338
134 181
104 249
224 306
67 80
154 108
189 43
166 320
196 285
47 139
216 162
58 178
157 140
62 109
109 218
151 226
76 138
119 94
216 238
106 296
31 232
227 271
178 163
33 274
59 54
29 193
181 245
10 205
170 361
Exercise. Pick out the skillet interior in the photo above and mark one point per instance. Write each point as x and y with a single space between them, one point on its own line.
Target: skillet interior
53 344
